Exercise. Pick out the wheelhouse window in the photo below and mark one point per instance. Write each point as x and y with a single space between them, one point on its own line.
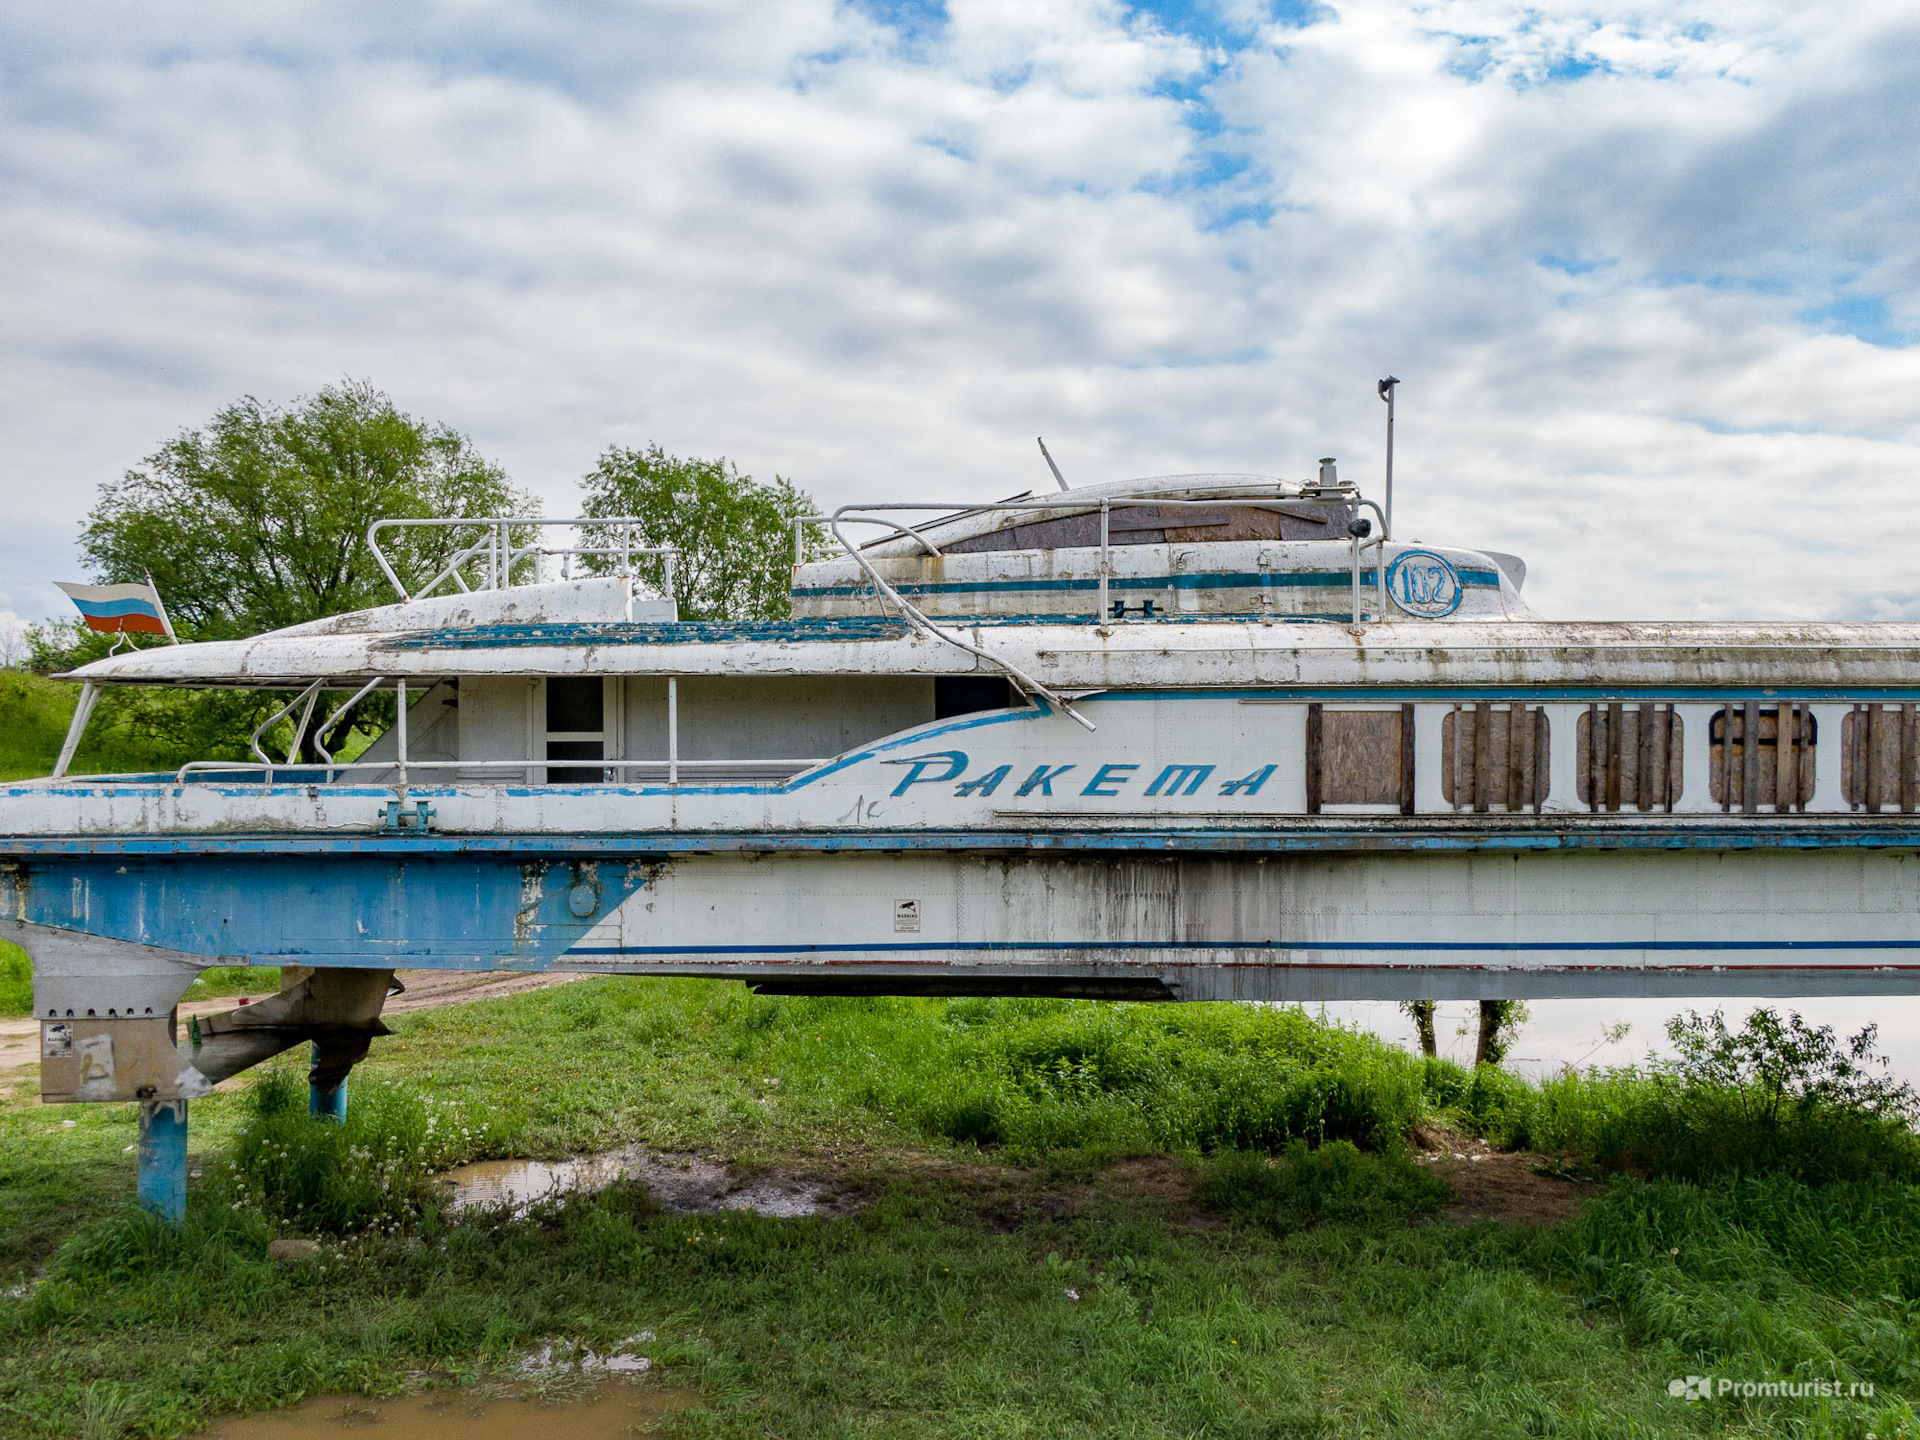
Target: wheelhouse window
1628 757
1163 524
1494 757
1762 755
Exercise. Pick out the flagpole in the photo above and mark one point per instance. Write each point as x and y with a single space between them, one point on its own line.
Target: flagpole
161 606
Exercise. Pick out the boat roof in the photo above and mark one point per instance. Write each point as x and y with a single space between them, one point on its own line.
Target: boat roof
1203 651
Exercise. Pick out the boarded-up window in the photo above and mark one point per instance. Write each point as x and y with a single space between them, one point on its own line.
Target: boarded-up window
1494 757
1761 755
1359 757
1627 757
1878 744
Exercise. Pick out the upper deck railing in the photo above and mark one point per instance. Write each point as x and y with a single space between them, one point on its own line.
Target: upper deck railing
1337 495
1331 494
496 552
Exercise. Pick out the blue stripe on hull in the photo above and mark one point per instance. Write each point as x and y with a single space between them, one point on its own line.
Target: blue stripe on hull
1217 580
1264 947
1572 834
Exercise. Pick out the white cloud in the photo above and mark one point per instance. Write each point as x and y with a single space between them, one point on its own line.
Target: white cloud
1615 252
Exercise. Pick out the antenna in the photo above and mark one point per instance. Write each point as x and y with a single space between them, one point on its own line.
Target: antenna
1058 477
1386 389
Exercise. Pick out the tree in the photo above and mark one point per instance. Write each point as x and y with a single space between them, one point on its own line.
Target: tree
259 519
1500 1022
735 534
1421 1013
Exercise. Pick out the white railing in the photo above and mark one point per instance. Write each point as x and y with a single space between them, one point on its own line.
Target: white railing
1334 495
498 554
621 770
403 765
1338 496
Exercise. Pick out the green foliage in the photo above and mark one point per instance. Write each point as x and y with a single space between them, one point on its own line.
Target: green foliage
258 520
1338 1182
1500 1024
1765 1273
1772 1069
941 1305
734 533
16 980
1778 1097
1049 1077
376 1170
34 712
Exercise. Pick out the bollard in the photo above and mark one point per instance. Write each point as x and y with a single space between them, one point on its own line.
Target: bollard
332 1104
163 1158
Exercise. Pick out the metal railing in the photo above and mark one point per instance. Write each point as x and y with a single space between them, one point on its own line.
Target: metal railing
1334 495
497 553
622 770
1337 496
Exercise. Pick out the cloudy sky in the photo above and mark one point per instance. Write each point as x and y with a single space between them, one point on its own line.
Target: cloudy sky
1648 271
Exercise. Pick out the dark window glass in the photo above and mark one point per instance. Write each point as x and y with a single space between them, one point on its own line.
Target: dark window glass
964 694
575 703
576 774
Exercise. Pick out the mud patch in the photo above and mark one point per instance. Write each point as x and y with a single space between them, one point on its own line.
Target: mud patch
1506 1185
610 1412
689 1184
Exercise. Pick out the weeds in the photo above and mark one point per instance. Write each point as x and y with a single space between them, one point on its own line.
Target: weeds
926 1313
1337 1183
1778 1097
377 1171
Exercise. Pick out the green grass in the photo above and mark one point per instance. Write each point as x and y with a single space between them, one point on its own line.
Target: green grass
1281 1271
137 730
34 712
16 981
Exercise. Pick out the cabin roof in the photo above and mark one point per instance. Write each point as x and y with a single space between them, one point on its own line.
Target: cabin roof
1175 652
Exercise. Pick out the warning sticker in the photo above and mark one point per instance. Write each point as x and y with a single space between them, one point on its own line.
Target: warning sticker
906 917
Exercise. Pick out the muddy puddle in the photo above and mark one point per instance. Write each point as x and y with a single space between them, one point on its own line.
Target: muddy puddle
611 1412
687 1183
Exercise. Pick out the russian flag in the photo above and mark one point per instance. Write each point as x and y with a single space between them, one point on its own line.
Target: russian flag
119 609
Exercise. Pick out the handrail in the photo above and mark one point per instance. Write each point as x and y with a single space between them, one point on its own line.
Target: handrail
312 692
920 622
319 739
1340 496
391 763
502 555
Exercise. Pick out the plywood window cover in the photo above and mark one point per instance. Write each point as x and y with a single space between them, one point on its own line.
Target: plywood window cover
1638 762
1881 774
1359 757
1480 766
1747 776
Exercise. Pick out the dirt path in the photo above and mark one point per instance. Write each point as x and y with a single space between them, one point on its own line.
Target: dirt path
426 990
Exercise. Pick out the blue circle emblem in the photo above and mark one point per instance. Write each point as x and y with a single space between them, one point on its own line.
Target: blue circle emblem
1424 584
